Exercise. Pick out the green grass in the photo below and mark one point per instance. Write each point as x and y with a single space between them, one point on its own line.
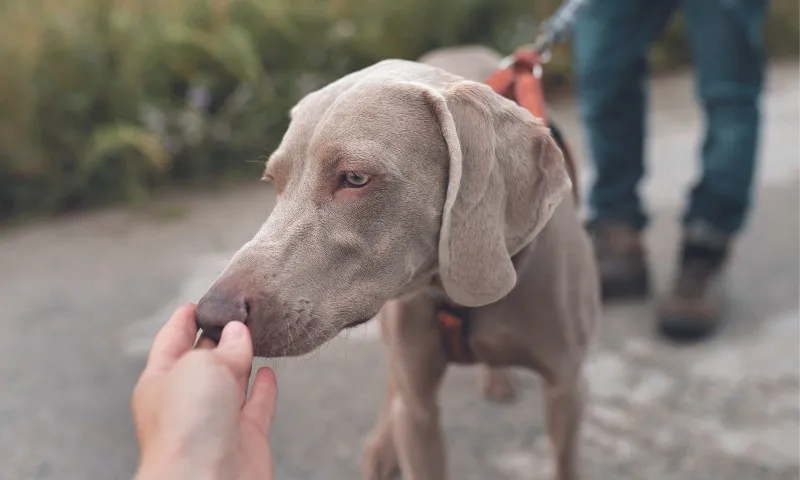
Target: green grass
110 100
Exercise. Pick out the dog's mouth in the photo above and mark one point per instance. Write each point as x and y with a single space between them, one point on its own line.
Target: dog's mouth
212 334
356 323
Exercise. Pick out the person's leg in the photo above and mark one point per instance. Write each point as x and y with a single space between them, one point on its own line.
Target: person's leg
612 39
727 50
728 56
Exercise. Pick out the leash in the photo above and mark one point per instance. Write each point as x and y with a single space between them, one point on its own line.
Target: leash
559 27
520 81
518 78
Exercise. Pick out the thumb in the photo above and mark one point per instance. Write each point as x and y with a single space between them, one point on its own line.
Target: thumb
235 350
260 408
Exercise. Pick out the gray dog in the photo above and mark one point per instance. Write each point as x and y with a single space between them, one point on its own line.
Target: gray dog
400 185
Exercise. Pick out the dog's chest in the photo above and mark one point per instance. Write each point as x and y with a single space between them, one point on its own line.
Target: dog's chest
469 336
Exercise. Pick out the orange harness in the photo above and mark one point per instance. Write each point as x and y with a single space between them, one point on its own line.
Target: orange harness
519 81
454 321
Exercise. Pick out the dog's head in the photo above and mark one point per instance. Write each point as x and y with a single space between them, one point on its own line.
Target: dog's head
385 178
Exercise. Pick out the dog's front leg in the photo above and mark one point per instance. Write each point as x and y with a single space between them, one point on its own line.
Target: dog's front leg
417 365
380 460
416 428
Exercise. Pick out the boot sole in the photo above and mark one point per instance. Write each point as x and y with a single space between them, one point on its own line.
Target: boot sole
686 329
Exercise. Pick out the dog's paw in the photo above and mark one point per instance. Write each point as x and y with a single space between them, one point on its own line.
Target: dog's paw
497 384
380 460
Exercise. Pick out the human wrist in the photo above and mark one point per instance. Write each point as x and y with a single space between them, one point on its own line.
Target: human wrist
163 458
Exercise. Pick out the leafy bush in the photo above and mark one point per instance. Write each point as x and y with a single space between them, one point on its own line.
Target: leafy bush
105 100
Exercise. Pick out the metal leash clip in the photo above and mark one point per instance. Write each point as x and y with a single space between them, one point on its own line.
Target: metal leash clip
541 46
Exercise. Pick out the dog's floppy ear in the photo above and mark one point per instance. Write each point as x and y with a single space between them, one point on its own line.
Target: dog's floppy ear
506 177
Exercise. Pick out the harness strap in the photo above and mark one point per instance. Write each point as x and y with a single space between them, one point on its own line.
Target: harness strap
521 82
453 322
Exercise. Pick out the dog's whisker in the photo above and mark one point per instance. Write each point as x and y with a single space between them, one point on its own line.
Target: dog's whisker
305 330
262 147
291 337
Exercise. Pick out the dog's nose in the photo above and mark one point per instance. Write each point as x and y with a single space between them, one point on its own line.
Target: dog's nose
216 309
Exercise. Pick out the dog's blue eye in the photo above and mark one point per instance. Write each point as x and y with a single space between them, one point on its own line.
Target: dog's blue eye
354 180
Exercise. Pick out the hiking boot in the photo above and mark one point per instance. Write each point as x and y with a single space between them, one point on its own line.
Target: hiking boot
692 309
620 260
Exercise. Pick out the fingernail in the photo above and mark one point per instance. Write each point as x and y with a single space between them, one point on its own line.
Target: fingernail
233 331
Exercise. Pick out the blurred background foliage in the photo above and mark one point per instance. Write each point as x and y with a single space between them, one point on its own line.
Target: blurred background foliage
110 100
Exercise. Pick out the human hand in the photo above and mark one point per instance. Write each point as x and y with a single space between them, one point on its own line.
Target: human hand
190 410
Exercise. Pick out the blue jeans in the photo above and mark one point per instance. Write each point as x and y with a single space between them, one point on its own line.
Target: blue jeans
612 39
